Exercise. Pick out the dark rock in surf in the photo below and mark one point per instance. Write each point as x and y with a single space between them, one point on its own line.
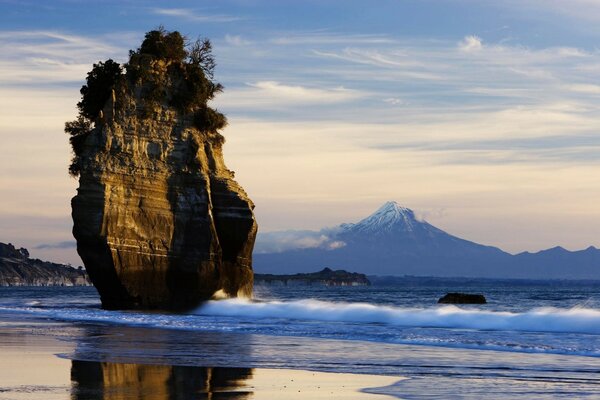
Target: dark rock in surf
462 298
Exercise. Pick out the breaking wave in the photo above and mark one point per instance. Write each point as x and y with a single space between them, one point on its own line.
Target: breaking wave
574 320
574 331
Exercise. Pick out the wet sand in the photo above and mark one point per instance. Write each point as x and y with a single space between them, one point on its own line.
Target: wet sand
35 366
42 358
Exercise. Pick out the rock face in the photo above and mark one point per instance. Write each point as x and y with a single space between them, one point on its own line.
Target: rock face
17 269
462 298
158 219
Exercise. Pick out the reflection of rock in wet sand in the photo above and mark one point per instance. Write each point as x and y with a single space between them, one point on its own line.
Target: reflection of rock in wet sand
104 380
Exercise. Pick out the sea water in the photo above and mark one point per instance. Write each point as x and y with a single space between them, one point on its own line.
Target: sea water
532 339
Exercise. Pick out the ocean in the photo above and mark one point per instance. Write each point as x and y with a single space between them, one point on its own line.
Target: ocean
531 340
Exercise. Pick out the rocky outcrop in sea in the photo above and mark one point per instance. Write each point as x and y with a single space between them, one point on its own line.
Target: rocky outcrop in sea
18 269
158 218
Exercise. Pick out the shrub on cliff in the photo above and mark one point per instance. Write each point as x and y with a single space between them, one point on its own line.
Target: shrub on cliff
164 45
186 85
78 131
99 84
190 69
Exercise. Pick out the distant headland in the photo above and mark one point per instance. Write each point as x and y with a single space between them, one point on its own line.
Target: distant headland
325 277
18 269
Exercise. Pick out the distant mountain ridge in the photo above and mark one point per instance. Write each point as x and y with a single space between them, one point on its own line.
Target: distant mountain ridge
392 241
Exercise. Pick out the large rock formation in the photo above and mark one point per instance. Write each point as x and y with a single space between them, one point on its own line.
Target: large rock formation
158 218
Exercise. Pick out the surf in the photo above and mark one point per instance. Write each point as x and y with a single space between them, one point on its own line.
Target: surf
547 319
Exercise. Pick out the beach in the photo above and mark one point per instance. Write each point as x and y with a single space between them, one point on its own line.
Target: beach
56 343
42 360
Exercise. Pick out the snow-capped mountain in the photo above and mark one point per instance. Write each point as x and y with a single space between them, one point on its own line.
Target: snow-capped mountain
392 241
389 217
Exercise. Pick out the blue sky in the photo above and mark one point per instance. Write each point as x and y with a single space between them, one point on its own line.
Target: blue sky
482 116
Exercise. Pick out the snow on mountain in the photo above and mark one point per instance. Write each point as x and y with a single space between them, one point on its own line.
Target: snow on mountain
390 216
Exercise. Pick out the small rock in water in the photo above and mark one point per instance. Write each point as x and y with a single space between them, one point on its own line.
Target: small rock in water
462 298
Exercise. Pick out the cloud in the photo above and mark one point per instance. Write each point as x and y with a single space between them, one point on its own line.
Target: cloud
304 94
586 88
470 43
59 245
403 66
275 94
43 58
192 15
236 40
277 242
329 38
393 101
586 11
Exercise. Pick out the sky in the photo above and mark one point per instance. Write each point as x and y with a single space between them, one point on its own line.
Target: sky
481 116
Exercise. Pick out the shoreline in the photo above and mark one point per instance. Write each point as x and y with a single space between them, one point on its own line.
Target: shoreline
36 363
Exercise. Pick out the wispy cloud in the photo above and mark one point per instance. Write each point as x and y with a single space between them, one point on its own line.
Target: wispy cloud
277 94
583 10
277 242
402 64
587 88
49 57
236 40
296 93
70 244
329 38
393 101
193 15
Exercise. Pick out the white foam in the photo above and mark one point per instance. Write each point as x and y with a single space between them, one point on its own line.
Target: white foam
574 320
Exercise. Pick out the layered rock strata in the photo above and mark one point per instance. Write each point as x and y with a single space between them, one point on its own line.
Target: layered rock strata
158 218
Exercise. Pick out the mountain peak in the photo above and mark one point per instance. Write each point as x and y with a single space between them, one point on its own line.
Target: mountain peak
393 207
390 215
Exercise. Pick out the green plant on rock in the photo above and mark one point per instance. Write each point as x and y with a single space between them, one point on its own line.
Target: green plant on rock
184 82
189 83
100 81
78 131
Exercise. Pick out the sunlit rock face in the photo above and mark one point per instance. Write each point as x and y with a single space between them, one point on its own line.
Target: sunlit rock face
158 218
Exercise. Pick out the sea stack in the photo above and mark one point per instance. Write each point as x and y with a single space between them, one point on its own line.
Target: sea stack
158 218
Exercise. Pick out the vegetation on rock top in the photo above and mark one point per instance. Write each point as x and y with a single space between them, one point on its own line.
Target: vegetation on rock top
171 74
326 275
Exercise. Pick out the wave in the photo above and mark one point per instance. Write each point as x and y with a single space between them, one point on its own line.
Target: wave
555 330
574 320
